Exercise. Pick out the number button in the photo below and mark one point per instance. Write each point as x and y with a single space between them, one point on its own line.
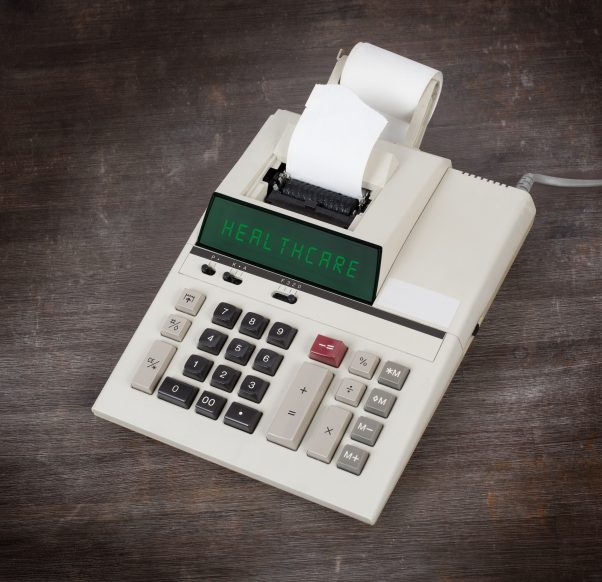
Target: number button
197 368
239 351
176 392
225 378
253 388
212 341
253 325
210 405
267 362
226 315
281 335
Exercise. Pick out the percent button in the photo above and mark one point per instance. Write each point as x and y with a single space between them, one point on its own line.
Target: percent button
364 364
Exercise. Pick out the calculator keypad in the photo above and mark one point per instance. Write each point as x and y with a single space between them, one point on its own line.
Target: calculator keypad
239 351
226 315
212 341
294 420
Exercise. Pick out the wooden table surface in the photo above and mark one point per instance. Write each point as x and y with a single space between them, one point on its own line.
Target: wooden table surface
117 121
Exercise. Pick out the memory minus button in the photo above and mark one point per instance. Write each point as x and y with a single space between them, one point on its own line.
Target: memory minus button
299 405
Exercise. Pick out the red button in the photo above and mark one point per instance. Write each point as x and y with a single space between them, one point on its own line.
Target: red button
328 351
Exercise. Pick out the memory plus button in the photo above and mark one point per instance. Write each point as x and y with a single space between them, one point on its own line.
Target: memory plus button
352 459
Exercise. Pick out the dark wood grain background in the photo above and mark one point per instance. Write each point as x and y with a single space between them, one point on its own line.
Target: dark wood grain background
117 120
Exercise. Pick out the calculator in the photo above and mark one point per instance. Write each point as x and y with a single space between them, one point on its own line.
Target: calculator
307 345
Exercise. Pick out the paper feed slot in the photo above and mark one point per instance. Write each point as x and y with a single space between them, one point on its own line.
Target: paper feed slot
310 200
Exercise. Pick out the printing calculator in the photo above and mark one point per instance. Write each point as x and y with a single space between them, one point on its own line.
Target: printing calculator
304 338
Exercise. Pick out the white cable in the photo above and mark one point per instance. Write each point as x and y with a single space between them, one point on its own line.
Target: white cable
527 181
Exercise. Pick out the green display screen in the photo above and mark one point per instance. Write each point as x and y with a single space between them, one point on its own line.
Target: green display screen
295 248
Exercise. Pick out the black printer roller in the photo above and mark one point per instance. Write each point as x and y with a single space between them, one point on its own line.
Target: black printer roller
310 200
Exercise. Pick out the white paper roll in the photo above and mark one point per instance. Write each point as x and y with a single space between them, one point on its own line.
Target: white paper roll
380 94
388 82
333 139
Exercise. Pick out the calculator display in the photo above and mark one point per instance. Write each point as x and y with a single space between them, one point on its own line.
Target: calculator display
290 246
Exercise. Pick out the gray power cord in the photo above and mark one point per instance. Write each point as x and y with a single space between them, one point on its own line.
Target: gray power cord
527 181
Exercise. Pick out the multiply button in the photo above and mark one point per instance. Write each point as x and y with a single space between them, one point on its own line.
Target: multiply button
352 459
364 364
328 351
326 432
393 375
380 403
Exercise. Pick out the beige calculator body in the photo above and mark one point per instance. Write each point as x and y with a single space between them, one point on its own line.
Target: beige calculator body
359 380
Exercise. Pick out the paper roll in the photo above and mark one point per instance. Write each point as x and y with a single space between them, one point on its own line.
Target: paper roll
380 94
388 82
333 139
